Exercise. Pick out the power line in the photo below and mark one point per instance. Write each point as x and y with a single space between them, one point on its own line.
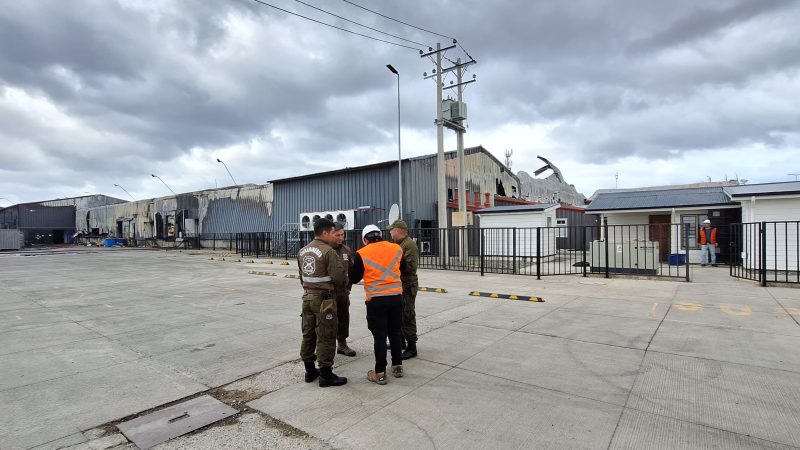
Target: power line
361 24
397 20
414 26
334 26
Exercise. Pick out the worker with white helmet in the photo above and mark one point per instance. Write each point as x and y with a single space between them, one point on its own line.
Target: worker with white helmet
379 263
708 243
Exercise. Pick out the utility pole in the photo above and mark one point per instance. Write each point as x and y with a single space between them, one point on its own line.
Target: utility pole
509 152
455 124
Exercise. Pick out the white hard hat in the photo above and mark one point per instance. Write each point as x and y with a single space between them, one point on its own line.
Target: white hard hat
369 229
706 221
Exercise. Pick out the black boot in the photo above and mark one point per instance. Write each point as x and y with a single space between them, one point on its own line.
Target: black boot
410 351
328 378
311 372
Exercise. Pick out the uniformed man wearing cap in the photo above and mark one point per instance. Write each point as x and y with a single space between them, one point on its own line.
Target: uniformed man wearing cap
343 295
399 232
321 274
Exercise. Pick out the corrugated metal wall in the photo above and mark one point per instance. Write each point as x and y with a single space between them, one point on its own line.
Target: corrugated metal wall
35 215
375 187
10 239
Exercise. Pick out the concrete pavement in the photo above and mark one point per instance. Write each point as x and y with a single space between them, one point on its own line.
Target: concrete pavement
90 337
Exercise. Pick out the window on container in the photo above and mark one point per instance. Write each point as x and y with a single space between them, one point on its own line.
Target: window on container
561 227
449 195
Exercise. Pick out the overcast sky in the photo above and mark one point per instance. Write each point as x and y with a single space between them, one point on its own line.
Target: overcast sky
98 92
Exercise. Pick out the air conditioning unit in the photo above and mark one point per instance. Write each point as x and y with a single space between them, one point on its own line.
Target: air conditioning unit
346 217
425 247
307 222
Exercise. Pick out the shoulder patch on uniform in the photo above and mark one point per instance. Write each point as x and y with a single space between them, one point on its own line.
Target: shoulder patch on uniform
309 265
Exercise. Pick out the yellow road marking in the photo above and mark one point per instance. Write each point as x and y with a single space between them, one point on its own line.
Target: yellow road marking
19 318
736 311
653 309
178 296
688 306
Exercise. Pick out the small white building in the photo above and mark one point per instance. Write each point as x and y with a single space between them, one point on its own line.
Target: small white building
512 230
777 204
662 214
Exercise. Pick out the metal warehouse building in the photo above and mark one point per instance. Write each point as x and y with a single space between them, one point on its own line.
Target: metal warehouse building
368 192
50 222
356 195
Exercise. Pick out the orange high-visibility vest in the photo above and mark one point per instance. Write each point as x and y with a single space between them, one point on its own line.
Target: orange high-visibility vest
381 269
703 235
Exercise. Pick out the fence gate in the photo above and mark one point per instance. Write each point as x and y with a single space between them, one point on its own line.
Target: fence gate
767 252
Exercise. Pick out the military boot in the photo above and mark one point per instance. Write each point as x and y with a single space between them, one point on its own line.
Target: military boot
328 378
311 372
410 351
343 349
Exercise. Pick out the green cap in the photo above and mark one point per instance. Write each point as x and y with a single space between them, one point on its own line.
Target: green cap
398 224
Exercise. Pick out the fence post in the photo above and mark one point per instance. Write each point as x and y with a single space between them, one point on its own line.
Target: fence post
514 257
763 272
286 244
605 226
480 239
584 249
538 253
686 249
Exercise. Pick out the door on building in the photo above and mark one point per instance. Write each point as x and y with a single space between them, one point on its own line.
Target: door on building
660 232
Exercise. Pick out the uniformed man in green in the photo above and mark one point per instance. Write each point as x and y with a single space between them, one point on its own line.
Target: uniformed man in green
343 295
321 274
399 231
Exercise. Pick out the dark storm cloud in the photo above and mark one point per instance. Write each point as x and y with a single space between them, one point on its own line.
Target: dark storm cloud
149 84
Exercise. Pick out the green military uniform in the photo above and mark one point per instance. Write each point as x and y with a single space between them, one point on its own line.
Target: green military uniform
321 274
343 295
408 276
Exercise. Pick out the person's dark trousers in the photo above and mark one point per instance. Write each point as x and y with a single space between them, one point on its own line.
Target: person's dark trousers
385 318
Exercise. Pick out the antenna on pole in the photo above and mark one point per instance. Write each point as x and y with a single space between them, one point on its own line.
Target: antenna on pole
509 152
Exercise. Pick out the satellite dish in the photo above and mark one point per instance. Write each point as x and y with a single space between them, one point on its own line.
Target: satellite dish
394 213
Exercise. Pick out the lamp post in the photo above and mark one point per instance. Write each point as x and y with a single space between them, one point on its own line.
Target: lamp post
229 172
165 184
126 191
399 155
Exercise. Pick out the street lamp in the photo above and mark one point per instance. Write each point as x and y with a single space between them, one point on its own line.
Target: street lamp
229 172
399 157
165 184
126 191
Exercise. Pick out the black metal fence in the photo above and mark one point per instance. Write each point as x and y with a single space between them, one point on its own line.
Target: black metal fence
657 250
767 252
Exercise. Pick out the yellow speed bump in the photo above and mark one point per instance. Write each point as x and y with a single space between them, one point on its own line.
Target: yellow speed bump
524 298
285 263
269 274
430 289
292 276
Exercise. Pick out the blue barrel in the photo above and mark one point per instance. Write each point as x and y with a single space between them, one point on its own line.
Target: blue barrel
109 242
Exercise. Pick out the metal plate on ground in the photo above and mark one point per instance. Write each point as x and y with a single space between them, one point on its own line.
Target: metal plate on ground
176 420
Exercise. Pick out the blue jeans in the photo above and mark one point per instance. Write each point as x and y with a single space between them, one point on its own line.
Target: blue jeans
711 248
